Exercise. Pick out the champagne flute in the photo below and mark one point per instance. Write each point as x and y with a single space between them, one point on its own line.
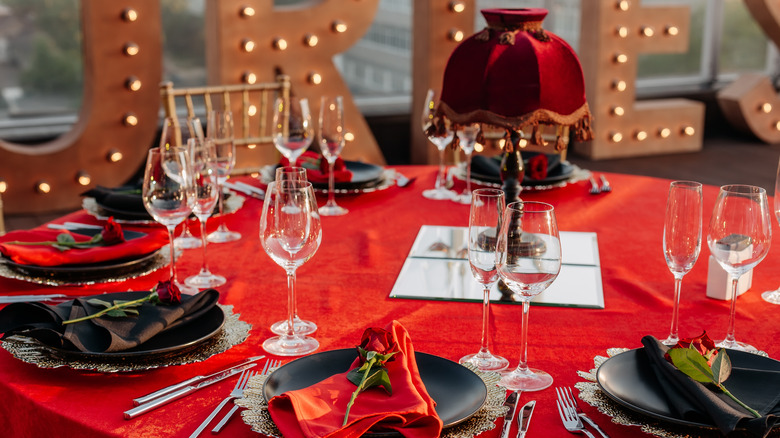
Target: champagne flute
290 237
176 132
773 296
682 239
293 130
302 327
331 144
167 185
204 198
528 261
441 140
739 238
220 130
485 216
467 139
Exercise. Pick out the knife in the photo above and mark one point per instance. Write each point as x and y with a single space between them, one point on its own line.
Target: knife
157 402
168 389
25 298
511 401
524 418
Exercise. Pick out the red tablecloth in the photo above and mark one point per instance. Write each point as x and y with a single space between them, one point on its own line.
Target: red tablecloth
344 288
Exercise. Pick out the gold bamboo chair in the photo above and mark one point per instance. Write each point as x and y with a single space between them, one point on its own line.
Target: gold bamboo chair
2 221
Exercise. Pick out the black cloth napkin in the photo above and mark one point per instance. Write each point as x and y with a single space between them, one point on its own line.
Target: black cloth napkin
105 333
126 198
757 387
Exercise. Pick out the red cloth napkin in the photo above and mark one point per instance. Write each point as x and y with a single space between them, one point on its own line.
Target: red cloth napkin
318 411
46 255
317 169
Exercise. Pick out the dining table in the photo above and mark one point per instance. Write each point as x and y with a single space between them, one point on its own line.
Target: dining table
345 288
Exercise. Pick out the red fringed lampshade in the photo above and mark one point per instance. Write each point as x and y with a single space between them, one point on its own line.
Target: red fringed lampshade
514 75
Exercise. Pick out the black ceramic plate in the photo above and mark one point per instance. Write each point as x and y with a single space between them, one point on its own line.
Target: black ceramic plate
628 380
176 340
364 175
124 214
458 392
557 171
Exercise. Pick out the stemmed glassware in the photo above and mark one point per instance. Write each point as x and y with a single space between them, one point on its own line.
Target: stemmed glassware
528 261
176 132
773 296
467 139
203 199
293 130
166 188
441 140
739 238
485 217
682 239
290 236
331 143
302 327
219 128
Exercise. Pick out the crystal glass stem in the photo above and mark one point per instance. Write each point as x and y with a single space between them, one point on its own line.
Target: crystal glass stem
204 267
522 367
171 230
290 303
730 341
674 329
441 178
484 349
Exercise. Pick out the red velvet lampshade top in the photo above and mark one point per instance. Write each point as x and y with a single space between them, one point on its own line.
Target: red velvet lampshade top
514 74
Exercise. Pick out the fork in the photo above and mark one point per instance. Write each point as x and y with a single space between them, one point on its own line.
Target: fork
269 365
237 391
569 402
605 186
571 422
594 187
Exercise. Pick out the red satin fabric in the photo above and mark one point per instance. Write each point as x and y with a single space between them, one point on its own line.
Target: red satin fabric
47 255
318 169
318 411
345 288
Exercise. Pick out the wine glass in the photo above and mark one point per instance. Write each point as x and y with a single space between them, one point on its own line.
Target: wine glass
485 216
528 261
203 199
290 237
441 140
467 139
219 128
773 296
682 239
293 130
331 144
739 238
302 327
167 185
176 132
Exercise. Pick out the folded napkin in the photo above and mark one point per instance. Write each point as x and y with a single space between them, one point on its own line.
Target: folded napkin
126 198
696 402
318 411
46 255
537 166
317 168
105 333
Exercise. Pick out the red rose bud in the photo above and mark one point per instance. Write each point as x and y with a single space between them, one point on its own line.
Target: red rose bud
378 340
537 167
702 344
112 233
168 292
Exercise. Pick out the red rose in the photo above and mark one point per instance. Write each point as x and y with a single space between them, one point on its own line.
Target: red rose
168 292
702 344
112 233
537 167
378 340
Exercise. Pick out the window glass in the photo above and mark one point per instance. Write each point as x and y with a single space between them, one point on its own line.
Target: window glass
184 44
743 44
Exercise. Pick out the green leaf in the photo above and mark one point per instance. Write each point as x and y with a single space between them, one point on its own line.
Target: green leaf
131 311
127 304
116 312
379 377
721 366
65 238
692 364
61 247
99 302
355 376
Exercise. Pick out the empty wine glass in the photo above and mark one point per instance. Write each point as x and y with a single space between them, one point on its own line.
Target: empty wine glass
682 239
219 128
739 238
203 199
773 296
331 144
485 217
293 130
167 185
302 327
290 237
467 139
176 132
441 137
528 261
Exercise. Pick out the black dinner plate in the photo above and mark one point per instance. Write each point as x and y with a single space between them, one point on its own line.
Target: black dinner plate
628 379
557 171
458 392
364 175
175 340
124 214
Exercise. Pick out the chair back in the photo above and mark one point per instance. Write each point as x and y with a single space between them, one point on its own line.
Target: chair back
2 222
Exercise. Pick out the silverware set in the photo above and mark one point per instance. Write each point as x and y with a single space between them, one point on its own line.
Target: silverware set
572 415
596 189
523 417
